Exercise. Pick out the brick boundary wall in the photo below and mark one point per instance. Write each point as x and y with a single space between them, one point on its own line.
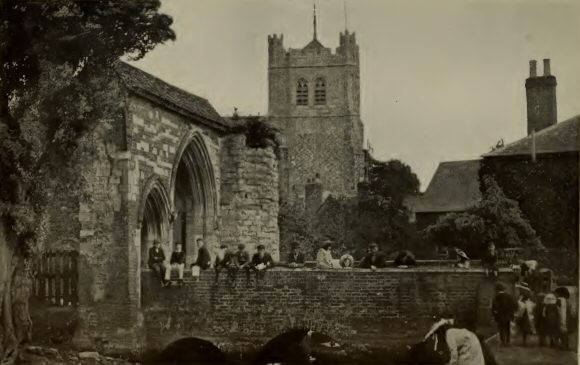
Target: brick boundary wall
359 307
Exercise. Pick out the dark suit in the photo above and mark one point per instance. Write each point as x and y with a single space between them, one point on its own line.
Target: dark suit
376 259
264 260
296 258
503 308
203 258
177 258
155 261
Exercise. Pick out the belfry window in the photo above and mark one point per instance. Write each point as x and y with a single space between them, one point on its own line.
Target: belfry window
302 92
320 92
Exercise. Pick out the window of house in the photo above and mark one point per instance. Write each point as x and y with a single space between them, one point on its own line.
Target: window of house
320 91
302 92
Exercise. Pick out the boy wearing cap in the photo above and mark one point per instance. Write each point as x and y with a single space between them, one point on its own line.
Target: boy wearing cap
261 261
156 261
296 257
374 259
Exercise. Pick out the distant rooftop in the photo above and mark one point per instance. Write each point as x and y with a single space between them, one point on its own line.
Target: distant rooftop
454 187
561 137
151 87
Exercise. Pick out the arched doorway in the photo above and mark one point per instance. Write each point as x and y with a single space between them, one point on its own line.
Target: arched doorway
154 218
194 196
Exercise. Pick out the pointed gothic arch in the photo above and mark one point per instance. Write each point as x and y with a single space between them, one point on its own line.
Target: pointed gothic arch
193 193
153 215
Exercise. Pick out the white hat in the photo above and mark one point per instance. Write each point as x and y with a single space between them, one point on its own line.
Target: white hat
550 299
460 253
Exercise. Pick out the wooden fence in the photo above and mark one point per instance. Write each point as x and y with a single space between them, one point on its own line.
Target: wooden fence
56 278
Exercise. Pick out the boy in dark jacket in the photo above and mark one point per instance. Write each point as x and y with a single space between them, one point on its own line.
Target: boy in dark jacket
374 259
261 261
156 261
203 255
503 309
296 257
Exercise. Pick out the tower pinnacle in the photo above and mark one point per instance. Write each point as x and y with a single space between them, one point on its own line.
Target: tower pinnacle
314 20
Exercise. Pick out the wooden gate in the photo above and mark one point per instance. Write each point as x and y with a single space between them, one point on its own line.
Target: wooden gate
56 278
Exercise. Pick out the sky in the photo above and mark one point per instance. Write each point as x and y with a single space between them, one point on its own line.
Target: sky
440 80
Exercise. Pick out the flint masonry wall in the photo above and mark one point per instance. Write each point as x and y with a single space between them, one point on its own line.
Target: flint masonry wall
356 306
102 220
249 196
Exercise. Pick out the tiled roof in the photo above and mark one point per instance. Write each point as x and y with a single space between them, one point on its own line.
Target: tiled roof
153 88
561 137
454 187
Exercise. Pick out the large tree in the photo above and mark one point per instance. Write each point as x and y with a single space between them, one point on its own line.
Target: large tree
377 215
57 59
496 219
392 179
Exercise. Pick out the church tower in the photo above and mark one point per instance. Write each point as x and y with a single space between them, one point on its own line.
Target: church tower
314 99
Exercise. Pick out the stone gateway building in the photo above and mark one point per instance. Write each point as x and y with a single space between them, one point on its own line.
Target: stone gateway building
168 169
314 99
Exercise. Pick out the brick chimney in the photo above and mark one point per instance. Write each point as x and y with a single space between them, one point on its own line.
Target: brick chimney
541 98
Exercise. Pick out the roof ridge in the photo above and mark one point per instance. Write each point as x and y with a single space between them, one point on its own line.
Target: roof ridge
126 64
528 137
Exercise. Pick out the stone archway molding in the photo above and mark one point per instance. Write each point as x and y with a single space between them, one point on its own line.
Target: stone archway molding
193 150
154 185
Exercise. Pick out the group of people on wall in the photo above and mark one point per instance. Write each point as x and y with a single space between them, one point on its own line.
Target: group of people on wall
373 258
232 262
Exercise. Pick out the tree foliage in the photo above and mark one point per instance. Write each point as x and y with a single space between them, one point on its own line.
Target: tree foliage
56 67
259 132
56 76
392 179
376 215
496 219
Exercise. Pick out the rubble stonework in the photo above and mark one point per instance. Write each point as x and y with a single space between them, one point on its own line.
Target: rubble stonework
160 160
249 199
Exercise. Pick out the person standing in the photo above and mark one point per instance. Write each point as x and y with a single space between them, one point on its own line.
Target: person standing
203 255
324 256
503 308
524 316
296 257
156 261
374 259
176 262
564 314
550 318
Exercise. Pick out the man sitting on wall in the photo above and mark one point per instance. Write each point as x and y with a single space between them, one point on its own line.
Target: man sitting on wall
176 262
404 259
296 257
261 261
374 259
156 261
240 261
203 256
224 260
